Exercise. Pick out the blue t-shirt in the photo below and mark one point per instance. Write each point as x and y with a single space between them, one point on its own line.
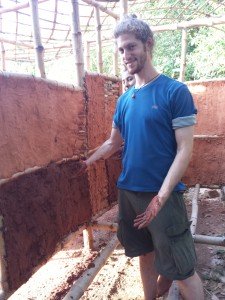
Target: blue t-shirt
147 124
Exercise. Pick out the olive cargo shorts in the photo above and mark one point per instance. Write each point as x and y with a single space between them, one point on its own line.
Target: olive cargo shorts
168 234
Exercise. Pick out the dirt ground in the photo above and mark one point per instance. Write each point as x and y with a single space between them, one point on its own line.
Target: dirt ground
119 278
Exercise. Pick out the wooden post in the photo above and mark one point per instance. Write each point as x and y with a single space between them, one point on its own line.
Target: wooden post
77 43
3 57
37 38
87 56
183 55
123 8
88 238
2 45
115 60
194 213
99 41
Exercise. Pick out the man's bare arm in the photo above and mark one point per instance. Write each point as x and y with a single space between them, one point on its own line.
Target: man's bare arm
109 147
184 139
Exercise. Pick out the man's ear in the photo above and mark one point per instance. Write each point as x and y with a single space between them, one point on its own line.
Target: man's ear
150 44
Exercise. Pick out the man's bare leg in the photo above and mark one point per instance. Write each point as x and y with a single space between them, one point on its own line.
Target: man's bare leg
149 275
191 288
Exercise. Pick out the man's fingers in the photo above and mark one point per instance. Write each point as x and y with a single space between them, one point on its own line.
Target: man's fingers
143 220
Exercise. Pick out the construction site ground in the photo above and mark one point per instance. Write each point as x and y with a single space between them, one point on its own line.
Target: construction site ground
119 278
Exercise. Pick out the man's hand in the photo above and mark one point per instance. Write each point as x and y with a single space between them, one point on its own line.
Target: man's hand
150 213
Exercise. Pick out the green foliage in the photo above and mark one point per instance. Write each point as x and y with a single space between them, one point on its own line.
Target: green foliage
107 53
208 55
166 56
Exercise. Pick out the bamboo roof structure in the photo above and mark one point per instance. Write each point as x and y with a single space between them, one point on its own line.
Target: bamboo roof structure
17 36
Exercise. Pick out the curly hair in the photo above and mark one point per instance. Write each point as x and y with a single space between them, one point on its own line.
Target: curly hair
130 24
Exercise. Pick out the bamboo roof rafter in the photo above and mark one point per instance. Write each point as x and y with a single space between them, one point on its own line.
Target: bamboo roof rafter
55 21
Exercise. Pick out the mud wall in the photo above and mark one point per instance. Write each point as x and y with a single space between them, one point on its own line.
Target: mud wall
41 201
208 161
44 134
40 122
102 94
39 209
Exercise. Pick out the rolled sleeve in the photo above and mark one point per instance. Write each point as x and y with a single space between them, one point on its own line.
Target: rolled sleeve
184 121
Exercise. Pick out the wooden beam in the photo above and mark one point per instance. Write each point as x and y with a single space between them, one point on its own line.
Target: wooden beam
102 8
37 38
21 44
183 55
99 41
209 240
194 211
123 8
189 24
83 282
18 7
77 43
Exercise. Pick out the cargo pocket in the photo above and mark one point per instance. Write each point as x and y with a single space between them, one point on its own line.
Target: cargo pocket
182 247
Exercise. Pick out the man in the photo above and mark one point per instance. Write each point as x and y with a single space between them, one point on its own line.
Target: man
155 119
128 80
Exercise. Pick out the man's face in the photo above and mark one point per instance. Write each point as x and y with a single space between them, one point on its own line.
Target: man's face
128 80
133 51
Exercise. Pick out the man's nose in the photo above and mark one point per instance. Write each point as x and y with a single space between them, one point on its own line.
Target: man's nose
126 55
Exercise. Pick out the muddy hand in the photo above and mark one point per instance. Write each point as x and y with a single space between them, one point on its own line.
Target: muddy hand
150 213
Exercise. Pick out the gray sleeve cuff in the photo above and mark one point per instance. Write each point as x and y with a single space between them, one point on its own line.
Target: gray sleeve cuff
184 121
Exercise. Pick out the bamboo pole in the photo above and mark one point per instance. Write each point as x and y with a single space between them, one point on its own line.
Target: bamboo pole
80 286
88 238
3 57
87 56
99 41
5 40
123 8
3 263
18 7
209 240
207 136
102 8
77 43
2 45
183 55
173 293
37 38
189 24
116 60
194 212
